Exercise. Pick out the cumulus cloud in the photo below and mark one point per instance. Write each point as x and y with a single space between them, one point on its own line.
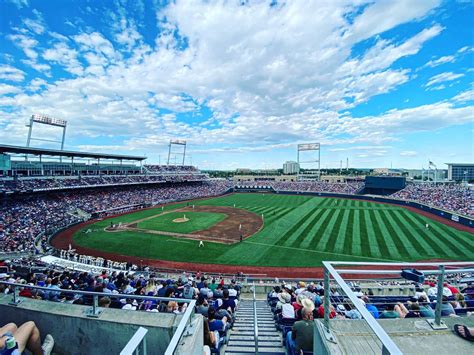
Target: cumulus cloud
443 77
9 73
275 75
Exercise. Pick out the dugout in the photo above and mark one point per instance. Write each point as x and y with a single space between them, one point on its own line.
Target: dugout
383 185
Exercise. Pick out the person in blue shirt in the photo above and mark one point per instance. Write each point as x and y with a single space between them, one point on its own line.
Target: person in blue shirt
216 324
370 307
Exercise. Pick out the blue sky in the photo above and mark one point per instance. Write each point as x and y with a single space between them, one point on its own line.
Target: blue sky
383 83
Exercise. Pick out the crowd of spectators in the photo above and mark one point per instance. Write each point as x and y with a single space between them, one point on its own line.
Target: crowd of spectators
9 185
216 298
452 197
294 308
24 217
307 186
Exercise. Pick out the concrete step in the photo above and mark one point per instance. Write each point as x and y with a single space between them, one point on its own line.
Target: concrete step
251 350
275 337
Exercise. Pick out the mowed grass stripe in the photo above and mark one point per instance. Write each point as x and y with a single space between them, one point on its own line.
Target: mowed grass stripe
465 239
349 240
301 227
292 230
278 215
356 234
387 237
419 242
335 231
375 247
342 234
429 235
322 244
311 233
439 233
400 239
304 238
319 228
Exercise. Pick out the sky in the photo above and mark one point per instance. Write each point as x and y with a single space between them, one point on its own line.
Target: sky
381 83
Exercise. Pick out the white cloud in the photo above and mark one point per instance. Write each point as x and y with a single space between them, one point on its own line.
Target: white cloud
19 3
8 89
63 55
270 76
408 153
25 43
7 72
443 77
464 96
441 60
381 16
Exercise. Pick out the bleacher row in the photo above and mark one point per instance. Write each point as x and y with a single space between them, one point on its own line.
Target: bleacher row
287 305
9 185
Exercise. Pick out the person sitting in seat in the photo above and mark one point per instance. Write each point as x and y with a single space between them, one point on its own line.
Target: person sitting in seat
14 340
300 338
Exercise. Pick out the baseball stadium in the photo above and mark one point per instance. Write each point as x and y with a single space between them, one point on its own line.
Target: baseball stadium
236 177
180 228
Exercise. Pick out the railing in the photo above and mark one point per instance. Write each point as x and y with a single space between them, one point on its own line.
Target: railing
95 310
255 321
178 334
133 345
388 346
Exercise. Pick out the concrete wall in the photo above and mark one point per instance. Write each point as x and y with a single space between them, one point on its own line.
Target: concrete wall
75 333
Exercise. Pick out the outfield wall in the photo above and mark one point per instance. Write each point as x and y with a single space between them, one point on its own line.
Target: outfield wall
463 220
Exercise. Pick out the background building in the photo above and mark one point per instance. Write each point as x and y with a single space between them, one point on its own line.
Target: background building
291 167
460 172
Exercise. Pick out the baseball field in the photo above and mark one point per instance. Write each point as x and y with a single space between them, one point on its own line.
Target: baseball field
277 230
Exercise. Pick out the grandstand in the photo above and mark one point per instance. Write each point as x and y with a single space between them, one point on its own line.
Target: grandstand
247 310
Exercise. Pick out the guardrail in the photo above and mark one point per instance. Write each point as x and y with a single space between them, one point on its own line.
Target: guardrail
178 334
388 346
255 321
133 345
95 311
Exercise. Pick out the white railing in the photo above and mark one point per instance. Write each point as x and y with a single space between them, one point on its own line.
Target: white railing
388 345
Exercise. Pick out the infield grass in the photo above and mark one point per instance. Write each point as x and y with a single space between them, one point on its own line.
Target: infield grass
197 221
298 231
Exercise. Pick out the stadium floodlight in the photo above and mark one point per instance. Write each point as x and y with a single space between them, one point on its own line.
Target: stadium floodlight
176 147
313 153
46 120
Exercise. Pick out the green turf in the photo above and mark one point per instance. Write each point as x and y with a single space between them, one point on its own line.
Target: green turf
298 231
197 221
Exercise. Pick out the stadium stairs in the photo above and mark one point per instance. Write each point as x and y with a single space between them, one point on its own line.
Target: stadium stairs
242 341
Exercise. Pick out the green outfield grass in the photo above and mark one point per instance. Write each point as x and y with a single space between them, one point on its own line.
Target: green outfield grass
197 221
299 231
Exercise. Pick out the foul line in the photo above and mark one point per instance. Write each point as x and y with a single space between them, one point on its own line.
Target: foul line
319 252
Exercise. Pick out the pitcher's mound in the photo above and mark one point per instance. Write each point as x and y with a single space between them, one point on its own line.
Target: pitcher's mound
180 220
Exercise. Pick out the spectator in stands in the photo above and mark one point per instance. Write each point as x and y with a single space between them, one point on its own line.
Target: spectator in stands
211 338
370 307
446 307
284 303
425 308
214 323
27 336
300 338
394 311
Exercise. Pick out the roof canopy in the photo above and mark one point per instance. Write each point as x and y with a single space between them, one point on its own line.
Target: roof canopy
65 153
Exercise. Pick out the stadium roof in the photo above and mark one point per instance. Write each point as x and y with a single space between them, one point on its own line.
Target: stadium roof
462 164
65 153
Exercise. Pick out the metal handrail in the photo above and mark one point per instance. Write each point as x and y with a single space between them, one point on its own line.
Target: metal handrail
94 311
255 321
181 327
388 346
134 342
